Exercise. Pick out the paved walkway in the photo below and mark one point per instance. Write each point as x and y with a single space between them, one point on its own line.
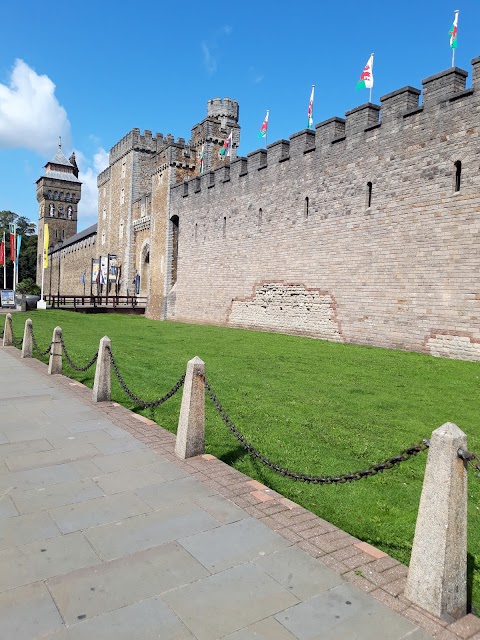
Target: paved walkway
104 535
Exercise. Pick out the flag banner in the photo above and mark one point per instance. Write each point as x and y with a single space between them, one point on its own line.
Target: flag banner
310 109
227 145
103 270
12 242
112 268
83 277
46 242
453 32
202 159
95 270
263 129
19 244
2 251
366 79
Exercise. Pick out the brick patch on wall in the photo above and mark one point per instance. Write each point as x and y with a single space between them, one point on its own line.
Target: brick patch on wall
453 344
288 308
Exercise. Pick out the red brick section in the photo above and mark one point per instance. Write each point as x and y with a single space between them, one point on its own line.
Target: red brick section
358 562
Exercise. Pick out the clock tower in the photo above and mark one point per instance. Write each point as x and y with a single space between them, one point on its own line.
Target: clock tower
58 194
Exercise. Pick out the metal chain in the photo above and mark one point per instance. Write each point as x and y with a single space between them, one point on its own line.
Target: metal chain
471 459
72 364
37 348
406 454
16 343
143 403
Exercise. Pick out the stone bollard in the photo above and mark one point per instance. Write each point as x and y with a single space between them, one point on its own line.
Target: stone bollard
101 385
55 362
27 344
8 331
191 423
437 575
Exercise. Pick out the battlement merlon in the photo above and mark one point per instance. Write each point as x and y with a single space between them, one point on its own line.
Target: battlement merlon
445 89
227 108
104 177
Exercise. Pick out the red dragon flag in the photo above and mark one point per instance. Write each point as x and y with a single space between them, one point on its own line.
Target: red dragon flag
453 31
310 109
366 79
227 145
263 129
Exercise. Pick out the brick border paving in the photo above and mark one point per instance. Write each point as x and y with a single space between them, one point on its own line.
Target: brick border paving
358 562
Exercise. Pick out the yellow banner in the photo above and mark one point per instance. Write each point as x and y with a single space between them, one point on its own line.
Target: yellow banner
46 241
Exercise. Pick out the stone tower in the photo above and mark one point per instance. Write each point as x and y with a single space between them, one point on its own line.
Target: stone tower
58 195
211 133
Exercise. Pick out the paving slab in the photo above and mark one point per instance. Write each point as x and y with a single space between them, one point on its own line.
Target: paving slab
128 460
40 560
45 476
56 495
28 612
150 530
24 446
20 462
118 583
147 620
233 544
7 508
126 479
267 629
99 511
174 492
343 612
228 601
24 529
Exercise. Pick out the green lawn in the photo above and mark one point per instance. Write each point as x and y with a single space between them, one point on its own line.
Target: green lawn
313 406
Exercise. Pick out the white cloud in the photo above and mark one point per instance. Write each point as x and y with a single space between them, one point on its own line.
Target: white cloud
88 172
30 114
208 59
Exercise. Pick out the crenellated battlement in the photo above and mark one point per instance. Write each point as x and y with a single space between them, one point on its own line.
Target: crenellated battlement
444 96
218 108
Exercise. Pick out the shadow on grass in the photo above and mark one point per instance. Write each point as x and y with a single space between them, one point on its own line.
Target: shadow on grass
472 566
232 456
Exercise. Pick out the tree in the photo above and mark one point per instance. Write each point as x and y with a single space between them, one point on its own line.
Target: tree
27 260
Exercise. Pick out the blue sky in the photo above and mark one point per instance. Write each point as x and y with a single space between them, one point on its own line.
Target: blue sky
92 71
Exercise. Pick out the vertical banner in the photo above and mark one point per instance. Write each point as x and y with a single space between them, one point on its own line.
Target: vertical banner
19 244
2 251
46 242
12 242
112 268
95 270
103 269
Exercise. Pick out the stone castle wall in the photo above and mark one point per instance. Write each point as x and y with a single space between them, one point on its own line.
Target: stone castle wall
354 232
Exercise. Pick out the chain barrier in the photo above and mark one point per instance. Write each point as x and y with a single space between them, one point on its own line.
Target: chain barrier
471 459
372 470
72 364
17 343
37 348
143 403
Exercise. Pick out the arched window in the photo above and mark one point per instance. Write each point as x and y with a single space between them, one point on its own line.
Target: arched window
68 197
369 194
174 229
69 212
55 195
306 207
458 174
49 194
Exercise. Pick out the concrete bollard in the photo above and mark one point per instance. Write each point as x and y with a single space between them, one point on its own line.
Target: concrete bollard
437 575
101 384
55 362
27 344
191 423
8 331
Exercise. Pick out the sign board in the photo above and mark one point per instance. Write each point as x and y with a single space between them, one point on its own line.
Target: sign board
7 297
112 268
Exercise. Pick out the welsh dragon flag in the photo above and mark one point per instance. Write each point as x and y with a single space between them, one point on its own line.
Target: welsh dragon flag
227 145
453 32
310 109
366 79
263 129
202 159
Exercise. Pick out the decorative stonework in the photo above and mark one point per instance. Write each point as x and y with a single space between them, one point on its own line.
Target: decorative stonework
452 344
289 308
141 224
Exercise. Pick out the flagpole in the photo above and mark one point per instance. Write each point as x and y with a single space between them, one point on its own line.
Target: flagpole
4 262
14 256
456 12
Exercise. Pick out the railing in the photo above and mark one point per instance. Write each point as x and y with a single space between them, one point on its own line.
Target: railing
58 301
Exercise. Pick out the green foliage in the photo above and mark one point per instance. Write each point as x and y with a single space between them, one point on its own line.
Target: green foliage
28 287
27 261
312 406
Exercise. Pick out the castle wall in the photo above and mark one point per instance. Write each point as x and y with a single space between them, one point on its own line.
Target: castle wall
66 266
286 240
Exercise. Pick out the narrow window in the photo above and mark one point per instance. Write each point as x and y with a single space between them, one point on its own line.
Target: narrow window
122 196
196 231
306 207
224 226
174 246
260 218
369 195
458 174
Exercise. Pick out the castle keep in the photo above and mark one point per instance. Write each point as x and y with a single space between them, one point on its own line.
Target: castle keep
365 230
